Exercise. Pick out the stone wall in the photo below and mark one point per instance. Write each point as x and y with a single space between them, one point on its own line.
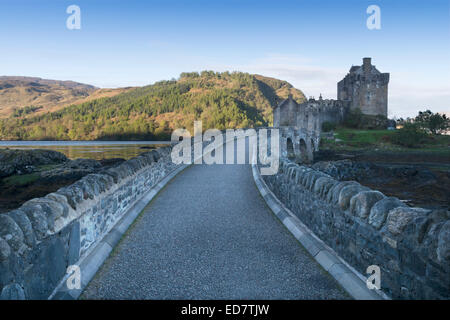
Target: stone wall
309 115
313 113
39 240
410 245
365 88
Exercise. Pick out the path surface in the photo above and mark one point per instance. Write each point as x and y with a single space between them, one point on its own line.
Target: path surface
209 235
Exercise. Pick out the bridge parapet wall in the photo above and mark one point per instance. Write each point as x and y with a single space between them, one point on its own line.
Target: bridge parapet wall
410 245
39 240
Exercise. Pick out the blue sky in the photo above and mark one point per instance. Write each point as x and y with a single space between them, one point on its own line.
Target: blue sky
311 44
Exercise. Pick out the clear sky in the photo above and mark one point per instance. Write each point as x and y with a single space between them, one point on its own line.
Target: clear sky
310 43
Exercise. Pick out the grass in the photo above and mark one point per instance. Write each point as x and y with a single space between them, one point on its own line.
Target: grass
22 179
355 139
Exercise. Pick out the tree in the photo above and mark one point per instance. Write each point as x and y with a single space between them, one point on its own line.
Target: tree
411 136
433 122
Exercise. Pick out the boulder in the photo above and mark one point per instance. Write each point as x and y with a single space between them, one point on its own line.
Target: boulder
16 161
84 164
341 169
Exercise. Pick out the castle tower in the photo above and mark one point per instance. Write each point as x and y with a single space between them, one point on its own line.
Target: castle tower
365 88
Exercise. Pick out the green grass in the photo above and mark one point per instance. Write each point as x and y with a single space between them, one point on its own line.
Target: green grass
362 137
22 179
19 180
355 139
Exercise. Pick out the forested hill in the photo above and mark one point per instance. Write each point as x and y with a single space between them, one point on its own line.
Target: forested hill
220 100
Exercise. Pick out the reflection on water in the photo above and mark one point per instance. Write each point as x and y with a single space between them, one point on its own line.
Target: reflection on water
89 149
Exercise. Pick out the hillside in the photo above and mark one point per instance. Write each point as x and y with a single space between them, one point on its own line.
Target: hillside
220 100
38 96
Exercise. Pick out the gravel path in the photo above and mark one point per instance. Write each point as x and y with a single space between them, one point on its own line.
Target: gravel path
209 235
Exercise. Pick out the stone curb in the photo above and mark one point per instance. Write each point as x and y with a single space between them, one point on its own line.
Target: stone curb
91 263
350 279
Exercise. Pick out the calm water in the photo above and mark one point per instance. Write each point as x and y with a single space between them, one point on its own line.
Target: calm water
89 149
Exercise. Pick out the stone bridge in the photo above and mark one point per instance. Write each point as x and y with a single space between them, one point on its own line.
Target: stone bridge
298 145
211 232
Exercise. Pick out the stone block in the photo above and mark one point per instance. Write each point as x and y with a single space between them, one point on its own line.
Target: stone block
362 203
443 248
5 249
12 292
347 193
73 194
323 185
11 232
380 210
38 220
25 225
333 194
398 218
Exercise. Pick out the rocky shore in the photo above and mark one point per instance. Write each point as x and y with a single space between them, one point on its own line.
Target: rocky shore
415 184
28 174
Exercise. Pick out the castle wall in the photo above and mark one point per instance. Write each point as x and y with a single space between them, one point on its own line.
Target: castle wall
309 115
313 113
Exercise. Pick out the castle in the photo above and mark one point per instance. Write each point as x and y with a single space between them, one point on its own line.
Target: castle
364 88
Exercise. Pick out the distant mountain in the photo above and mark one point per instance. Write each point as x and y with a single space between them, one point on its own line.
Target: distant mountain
220 100
42 95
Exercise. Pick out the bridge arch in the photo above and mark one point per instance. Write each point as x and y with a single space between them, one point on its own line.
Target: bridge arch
297 144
